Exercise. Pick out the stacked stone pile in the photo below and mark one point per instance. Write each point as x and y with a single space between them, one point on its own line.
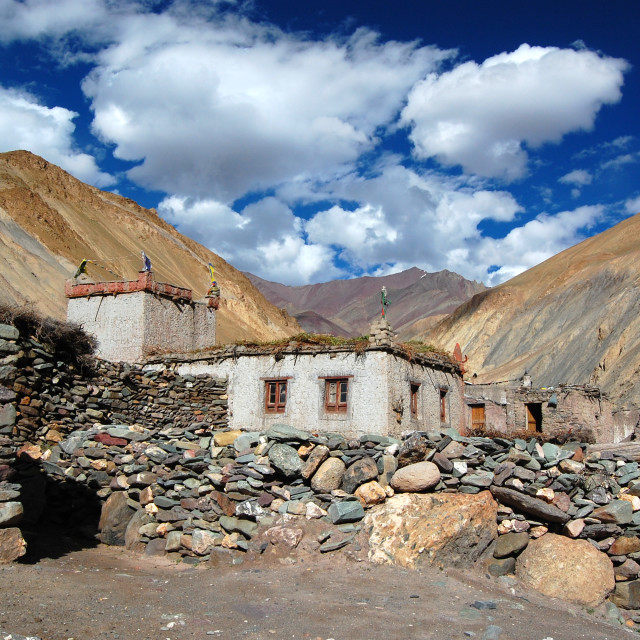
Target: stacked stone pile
43 398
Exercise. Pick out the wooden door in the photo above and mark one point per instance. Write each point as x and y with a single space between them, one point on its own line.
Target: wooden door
534 416
477 416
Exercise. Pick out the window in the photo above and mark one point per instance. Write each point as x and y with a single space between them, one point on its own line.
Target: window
336 392
275 396
443 405
414 388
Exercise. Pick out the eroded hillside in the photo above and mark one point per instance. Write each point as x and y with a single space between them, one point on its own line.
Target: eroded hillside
49 222
574 318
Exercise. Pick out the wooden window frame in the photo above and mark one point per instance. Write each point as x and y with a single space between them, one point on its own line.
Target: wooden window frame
414 391
278 405
338 406
443 404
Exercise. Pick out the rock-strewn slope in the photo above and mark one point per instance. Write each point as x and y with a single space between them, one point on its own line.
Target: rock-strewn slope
574 318
49 222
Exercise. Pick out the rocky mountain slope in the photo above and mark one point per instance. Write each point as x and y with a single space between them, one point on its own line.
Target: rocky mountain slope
347 307
49 222
574 318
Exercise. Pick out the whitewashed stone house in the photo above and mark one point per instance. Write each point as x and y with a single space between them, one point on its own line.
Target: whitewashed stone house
378 387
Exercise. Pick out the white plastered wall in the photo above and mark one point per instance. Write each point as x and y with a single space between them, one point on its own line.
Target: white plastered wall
377 382
130 326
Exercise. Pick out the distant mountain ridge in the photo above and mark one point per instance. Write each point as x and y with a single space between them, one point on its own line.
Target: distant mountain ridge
50 221
574 318
347 307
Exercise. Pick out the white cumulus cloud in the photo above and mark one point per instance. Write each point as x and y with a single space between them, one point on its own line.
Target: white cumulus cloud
578 177
217 109
46 131
482 116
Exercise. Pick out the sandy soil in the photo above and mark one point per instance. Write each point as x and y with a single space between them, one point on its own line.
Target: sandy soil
107 592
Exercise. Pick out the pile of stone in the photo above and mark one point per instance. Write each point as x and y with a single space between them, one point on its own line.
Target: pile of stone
43 398
220 487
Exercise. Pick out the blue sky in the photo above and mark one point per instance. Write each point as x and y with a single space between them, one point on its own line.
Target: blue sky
319 140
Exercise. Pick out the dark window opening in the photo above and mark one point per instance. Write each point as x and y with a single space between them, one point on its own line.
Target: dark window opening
336 392
443 405
414 389
534 416
275 396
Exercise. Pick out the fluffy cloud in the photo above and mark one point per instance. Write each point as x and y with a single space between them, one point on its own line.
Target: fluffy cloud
480 115
27 124
43 18
266 238
218 109
633 206
578 177
535 241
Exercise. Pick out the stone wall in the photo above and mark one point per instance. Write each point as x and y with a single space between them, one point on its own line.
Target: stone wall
44 399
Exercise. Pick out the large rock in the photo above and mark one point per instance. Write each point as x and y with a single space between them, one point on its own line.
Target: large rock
10 513
132 535
329 476
529 505
572 570
416 477
12 545
358 473
317 456
114 518
284 433
444 529
286 460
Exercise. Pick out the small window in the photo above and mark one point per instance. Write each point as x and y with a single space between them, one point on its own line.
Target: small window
443 405
275 396
336 392
414 389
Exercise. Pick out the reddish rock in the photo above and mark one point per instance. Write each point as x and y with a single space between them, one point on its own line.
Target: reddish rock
108 440
289 537
625 545
317 456
228 507
12 545
370 493
444 529
6 472
572 570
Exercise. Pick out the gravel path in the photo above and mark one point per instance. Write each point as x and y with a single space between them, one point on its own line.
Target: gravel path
109 593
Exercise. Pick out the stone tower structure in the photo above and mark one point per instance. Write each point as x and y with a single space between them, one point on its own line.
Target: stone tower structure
133 319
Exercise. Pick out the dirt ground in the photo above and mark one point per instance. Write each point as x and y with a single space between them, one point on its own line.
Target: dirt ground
110 593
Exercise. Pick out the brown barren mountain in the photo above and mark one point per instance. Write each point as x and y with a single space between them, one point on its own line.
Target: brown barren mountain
574 318
347 307
50 222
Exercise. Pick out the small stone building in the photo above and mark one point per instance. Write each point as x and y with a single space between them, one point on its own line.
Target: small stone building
376 388
576 411
133 319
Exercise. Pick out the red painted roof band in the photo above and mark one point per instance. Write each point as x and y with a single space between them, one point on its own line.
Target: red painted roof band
145 282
